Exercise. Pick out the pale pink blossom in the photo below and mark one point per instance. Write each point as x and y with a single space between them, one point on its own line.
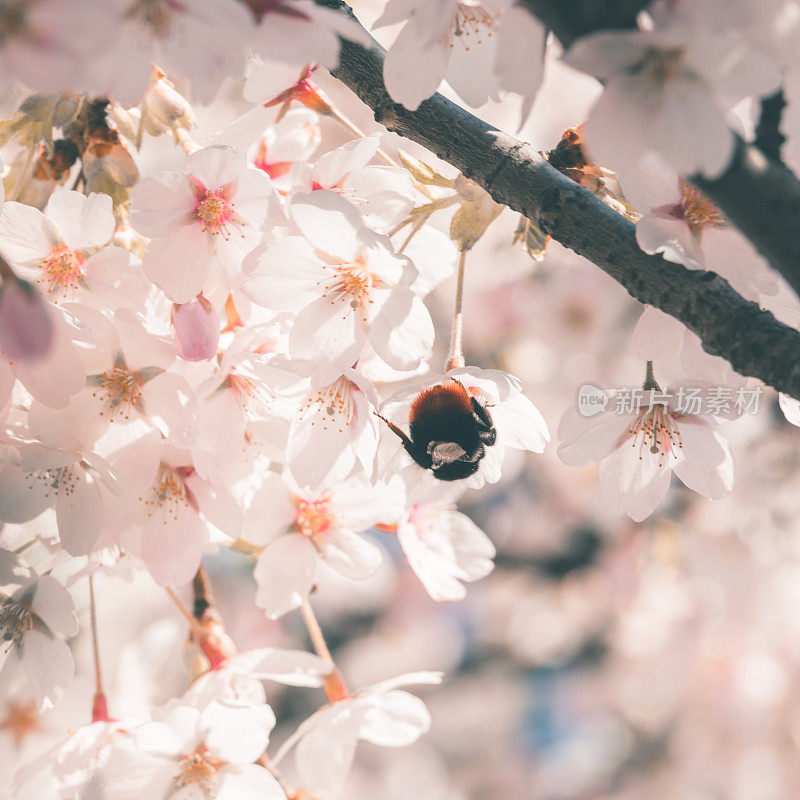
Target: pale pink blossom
63 249
186 752
683 224
36 615
442 545
639 450
346 286
299 529
26 329
481 47
383 714
208 217
333 432
384 195
669 88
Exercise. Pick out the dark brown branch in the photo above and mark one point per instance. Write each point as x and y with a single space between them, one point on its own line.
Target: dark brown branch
769 138
762 199
752 340
573 18
757 193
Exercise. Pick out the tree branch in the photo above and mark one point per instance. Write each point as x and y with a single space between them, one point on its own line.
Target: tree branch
752 340
758 194
570 20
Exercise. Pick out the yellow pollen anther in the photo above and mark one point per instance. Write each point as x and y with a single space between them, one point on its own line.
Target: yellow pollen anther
199 768
698 211
121 390
656 431
61 269
314 518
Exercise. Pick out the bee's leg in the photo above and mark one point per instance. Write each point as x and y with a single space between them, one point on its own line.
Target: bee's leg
407 443
486 429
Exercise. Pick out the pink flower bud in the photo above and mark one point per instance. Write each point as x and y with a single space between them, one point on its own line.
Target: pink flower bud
196 326
26 330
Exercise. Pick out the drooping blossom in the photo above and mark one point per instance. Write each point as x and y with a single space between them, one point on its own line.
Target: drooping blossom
36 616
669 88
383 714
481 47
641 447
682 223
443 546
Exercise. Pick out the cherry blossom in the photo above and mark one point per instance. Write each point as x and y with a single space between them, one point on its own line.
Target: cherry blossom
443 546
669 88
639 450
26 330
334 431
684 225
67 477
36 615
52 379
346 286
480 48
301 528
60 249
196 325
383 714
211 215
383 194
294 138
167 523
185 750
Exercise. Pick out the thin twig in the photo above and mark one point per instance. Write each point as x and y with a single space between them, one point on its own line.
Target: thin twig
455 356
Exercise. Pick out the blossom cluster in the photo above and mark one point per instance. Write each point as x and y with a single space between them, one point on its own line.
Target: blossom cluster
220 332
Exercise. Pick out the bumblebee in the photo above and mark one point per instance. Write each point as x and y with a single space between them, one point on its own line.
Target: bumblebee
450 430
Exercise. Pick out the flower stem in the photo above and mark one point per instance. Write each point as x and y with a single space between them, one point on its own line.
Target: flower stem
333 685
455 357
650 381
99 704
195 626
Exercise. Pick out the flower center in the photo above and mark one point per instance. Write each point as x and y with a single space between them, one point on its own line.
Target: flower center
120 389
199 768
21 720
214 209
61 269
16 617
349 280
167 494
659 67
157 15
697 210
14 21
656 431
331 406
55 481
472 21
314 518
